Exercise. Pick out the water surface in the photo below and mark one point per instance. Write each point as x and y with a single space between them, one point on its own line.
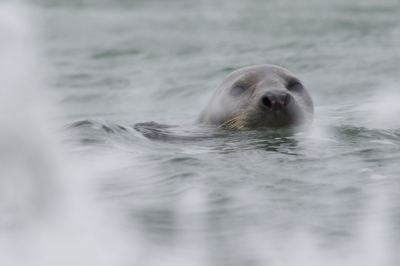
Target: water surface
326 194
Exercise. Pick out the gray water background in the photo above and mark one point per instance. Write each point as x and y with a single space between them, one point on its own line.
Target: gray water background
326 194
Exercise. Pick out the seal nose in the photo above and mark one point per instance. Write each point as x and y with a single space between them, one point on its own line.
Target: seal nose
276 100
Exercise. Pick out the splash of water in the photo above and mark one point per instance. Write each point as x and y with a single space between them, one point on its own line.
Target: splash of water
48 215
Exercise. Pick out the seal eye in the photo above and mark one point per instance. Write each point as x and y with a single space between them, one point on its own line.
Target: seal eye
237 91
295 86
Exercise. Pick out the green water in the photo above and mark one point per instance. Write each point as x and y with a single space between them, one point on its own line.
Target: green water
327 194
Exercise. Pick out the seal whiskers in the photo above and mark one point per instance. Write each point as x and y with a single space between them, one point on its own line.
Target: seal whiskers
235 123
242 121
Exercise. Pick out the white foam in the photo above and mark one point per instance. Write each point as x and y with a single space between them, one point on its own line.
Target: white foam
382 109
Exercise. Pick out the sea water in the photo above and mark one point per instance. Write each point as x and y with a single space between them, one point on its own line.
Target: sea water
100 192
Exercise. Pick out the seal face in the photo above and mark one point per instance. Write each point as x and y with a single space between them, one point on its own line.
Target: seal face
258 96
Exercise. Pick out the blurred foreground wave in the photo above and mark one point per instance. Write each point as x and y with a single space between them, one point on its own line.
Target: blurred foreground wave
47 212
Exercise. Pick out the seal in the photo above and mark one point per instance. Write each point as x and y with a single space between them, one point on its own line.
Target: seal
258 96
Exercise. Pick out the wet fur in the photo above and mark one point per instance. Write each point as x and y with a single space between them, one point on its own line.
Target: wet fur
244 113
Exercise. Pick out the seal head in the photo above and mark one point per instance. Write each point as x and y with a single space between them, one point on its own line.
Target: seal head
259 96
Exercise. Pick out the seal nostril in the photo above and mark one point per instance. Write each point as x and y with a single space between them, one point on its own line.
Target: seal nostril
266 102
288 100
